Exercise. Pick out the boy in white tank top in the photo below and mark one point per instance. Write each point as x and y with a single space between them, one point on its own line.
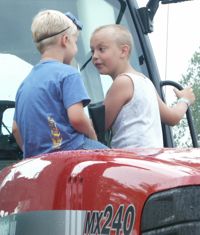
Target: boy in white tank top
134 110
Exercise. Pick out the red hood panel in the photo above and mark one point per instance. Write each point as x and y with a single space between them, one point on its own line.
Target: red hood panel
87 180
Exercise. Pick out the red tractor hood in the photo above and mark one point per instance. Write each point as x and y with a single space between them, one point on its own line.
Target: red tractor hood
144 170
95 180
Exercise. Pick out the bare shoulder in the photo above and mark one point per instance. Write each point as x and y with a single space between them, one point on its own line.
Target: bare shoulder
123 88
123 81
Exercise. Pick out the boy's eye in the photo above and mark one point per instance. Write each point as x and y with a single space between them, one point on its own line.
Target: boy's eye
102 49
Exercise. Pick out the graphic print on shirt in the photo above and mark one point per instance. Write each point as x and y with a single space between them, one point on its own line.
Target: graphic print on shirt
55 133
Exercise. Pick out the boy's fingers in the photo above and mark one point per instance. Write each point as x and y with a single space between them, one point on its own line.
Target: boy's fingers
176 91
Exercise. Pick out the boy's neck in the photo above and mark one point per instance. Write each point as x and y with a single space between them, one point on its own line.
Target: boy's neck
43 58
48 58
52 55
127 68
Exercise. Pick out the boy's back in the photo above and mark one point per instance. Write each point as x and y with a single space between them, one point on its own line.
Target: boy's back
45 125
49 113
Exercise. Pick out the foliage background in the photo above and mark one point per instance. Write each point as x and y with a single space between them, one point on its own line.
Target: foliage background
191 78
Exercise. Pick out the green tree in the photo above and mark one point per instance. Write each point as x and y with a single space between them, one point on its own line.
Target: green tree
191 78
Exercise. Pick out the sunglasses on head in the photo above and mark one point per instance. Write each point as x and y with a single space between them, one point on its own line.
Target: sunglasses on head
77 22
51 35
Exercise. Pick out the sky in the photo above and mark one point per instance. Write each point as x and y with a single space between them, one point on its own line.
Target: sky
180 35
175 41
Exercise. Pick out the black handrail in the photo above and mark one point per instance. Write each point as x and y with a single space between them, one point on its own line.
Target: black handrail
188 113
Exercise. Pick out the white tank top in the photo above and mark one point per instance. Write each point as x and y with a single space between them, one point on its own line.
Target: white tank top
138 123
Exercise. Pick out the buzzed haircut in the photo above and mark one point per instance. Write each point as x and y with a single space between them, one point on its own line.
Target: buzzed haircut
120 34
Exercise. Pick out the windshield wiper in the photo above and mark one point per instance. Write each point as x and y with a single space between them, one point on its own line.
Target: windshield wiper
147 13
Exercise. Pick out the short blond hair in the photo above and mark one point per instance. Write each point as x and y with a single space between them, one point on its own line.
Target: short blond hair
50 22
120 34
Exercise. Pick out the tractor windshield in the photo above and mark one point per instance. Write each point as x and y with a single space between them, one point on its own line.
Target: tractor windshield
18 53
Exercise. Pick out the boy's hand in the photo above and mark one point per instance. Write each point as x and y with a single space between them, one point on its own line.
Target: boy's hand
186 93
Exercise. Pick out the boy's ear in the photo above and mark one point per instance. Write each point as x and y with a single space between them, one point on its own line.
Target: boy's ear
64 40
125 50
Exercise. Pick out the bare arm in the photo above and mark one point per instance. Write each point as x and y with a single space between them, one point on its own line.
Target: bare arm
172 115
17 135
120 92
80 121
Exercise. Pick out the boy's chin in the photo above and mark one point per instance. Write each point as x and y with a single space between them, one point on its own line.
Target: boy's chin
101 72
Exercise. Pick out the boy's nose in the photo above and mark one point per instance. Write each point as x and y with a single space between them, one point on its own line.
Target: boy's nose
94 55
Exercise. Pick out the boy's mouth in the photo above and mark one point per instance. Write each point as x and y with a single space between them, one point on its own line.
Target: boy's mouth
98 65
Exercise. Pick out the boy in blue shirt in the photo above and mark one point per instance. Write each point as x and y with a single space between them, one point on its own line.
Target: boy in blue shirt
49 114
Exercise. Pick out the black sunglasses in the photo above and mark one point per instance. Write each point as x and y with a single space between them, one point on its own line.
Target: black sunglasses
51 35
77 22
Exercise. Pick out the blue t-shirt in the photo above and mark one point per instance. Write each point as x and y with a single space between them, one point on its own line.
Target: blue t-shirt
42 101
